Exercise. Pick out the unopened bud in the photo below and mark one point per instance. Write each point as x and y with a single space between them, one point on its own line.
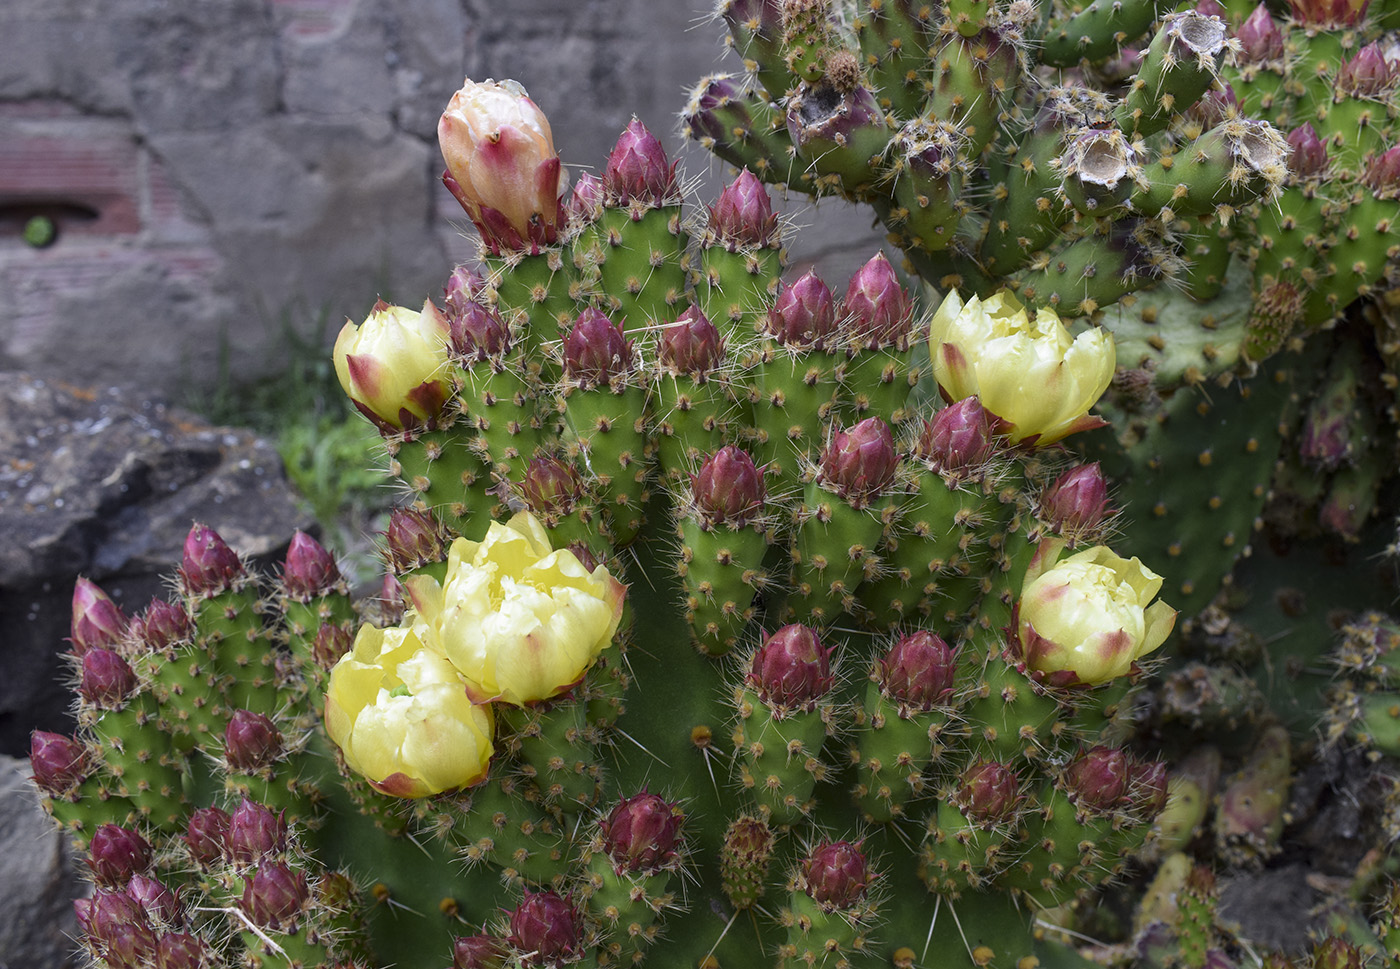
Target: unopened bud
478 952
1367 75
791 670
118 926
254 833
990 793
413 538
161 905
1147 788
638 170
836 875
743 215
546 926
251 741
476 333
692 345
274 896
1260 38
1308 158
596 351
878 308
310 571
209 565
728 488
804 314
162 625
1097 779
59 763
117 853
182 950
551 487
97 620
586 199
206 835
859 464
641 833
1383 174
1076 503
917 671
107 679
959 439
333 641
463 287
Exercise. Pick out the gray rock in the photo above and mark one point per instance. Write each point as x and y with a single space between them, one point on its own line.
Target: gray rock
106 484
37 879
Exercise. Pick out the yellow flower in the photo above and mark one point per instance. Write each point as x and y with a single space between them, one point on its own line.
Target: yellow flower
393 366
400 714
1086 619
501 164
520 621
1030 373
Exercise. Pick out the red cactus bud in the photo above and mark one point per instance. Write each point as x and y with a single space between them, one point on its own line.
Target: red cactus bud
743 215
182 950
791 669
478 952
1097 779
117 853
596 351
253 833
1211 8
836 875
1329 13
463 287
692 345
332 642
118 927
545 926
310 570
206 835
728 488
1308 158
960 438
107 679
586 200
1259 36
414 537
585 555
641 832
990 793
877 306
859 464
391 603
1077 501
161 905
804 314
274 896
251 741
476 332
1383 174
551 486
59 763
209 565
97 620
1147 788
162 625
917 671
1367 75
638 170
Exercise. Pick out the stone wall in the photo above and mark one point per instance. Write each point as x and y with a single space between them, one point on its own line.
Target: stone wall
222 169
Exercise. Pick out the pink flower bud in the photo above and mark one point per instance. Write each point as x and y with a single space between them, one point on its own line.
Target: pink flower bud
1259 37
743 215
310 570
586 200
117 853
596 351
478 952
546 927
414 537
206 834
791 670
1383 174
879 309
119 929
804 314
1097 779
917 672
960 438
641 833
692 345
161 905
1211 8
59 763
251 741
274 896
253 833
332 642
107 679
476 333
1147 788
162 625
97 620
463 287
638 170
551 486
1328 13
859 464
182 950
728 488
836 875
1308 158
209 566
391 602
1076 503
990 794
1367 75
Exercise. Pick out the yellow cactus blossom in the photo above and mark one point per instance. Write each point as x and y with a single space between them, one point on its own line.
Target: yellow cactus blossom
1029 372
400 713
393 366
1087 618
520 620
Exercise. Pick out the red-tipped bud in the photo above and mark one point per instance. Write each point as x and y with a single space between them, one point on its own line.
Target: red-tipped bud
804 314
254 833
182 950
877 306
551 486
791 670
641 833
206 835
586 200
1337 953
728 488
638 170
251 741
274 896
97 621
585 555
59 763
1077 502
960 438
743 215
414 537
917 671
1147 788
1308 158
462 288
332 642
117 853
161 905
391 602
476 333
836 875
1097 779
107 679
1260 38
209 565
310 570
860 463
596 351
546 928
990 793
1383 174
692 345
478 952
162 625
1367 75
119 929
